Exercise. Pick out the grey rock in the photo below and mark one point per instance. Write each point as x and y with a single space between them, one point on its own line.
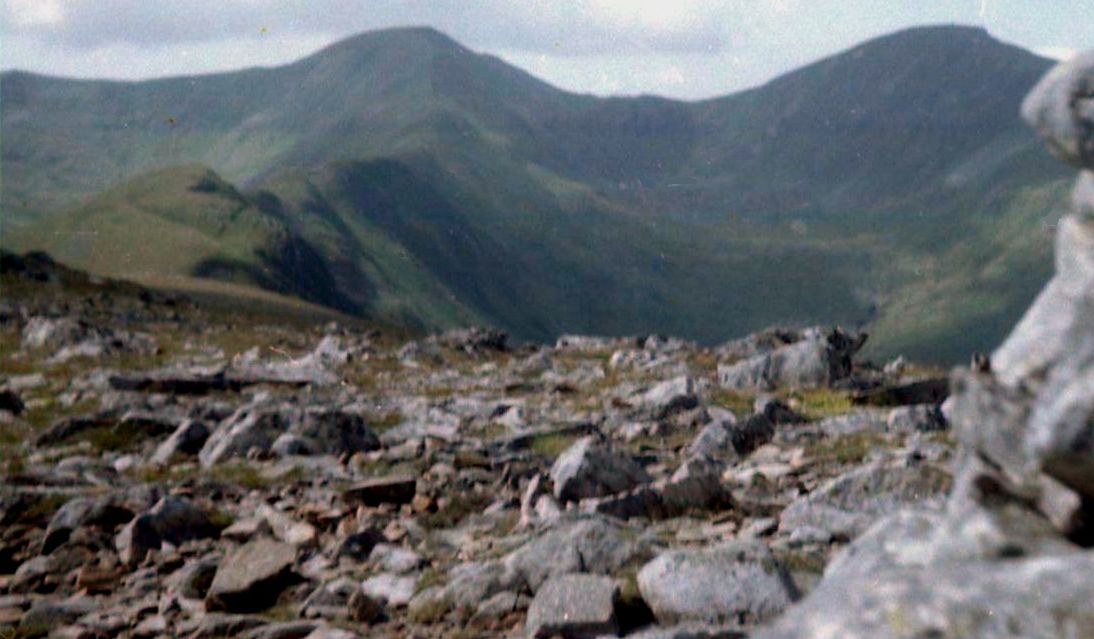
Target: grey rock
819 358
735 582
669 397
588 469
846 505
594 545
574 607
726 439
251 577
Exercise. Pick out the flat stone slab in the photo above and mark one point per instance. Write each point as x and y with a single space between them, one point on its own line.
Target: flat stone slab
251 578
575 606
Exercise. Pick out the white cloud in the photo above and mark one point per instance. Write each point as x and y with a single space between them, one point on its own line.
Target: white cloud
33 13
1056 53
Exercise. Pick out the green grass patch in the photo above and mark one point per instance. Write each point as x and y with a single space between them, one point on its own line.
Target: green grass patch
552 444
819 403
736 402
847 449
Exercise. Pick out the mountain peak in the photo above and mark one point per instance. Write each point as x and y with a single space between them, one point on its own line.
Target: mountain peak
412 41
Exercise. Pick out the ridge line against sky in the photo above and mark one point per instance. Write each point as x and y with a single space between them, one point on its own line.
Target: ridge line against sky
690 49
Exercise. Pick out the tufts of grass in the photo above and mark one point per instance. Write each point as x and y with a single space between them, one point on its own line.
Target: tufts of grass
819 403
430 577
44 509
847 449
738 403
552 444
430 612
385 422
811 563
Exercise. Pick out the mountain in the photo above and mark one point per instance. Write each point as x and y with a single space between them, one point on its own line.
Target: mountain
892 184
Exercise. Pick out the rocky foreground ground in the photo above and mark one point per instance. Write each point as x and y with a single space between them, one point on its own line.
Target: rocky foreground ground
174 472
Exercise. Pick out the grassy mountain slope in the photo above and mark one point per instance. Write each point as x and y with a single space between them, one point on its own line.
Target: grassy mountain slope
427 184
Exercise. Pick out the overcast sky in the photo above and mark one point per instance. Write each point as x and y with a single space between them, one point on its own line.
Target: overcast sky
678 48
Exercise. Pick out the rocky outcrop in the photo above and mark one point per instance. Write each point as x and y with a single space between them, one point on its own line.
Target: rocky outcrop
1018 520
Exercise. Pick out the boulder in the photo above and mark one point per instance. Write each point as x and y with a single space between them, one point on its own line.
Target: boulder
574 607
735 582
819 358
589 469
594 545
252 577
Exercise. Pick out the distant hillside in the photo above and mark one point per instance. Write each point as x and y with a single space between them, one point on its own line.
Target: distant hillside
420 182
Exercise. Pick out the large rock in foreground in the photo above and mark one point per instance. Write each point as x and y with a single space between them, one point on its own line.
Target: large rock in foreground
1040 598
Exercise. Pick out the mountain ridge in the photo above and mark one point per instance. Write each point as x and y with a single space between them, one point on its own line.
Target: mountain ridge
819 196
